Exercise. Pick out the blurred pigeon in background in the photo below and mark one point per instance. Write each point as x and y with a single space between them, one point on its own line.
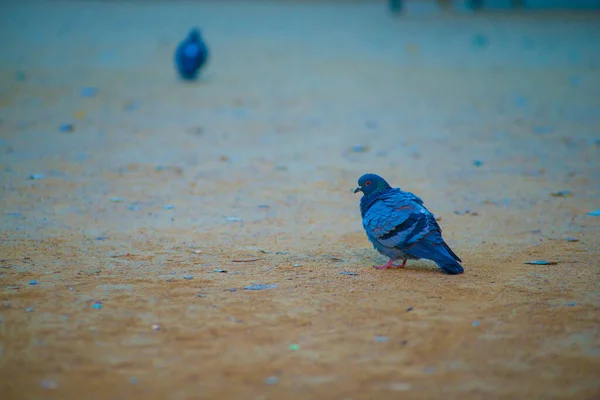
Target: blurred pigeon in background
191 55
400 227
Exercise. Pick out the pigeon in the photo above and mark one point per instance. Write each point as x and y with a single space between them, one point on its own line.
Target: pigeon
400 227
191 55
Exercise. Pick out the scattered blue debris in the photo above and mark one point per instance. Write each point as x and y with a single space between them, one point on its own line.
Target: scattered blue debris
35 177
282 252
29 309
371 124
33 282
20 76
116 199
541 130
478 163
232 289
102 238
261 287
188 277
521 102
222 271
573 304
574 80
133 207
131 106
263 206
382 339
409 309
562 193
348 273
480 41
133 380
97 305
201 295
272 380
475 324
595 213
169 207
89 92
570 239
540 262
360 148
66 127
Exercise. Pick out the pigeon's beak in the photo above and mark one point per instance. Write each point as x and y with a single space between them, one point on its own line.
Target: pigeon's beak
358 189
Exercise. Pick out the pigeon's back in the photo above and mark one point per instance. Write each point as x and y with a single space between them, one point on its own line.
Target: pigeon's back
190 56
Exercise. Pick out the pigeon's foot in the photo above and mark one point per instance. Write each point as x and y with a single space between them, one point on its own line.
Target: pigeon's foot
399 266
389 264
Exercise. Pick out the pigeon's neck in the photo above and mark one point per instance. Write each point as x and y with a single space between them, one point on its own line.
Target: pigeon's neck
367 201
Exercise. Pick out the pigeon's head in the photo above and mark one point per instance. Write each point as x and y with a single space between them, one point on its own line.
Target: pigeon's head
194 35
371 183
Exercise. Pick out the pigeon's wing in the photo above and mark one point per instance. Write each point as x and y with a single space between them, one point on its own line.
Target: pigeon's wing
399 221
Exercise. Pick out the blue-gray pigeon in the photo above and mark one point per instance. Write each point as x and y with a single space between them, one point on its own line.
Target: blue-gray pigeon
191 55
400 227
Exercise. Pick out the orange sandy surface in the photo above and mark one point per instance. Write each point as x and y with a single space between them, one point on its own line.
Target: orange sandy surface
258 160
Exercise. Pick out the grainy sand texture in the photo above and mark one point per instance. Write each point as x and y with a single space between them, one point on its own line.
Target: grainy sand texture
124 191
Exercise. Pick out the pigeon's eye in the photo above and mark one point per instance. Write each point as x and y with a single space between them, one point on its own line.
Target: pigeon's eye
367 184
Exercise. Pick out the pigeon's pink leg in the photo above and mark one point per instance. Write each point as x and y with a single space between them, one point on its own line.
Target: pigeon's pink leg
384 266
400 266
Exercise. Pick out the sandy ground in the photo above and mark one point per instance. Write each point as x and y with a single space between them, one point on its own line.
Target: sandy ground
250 171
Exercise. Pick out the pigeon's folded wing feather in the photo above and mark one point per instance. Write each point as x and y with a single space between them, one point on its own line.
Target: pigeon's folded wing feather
399 221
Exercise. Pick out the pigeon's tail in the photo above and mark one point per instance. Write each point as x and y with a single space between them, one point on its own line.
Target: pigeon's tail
441 254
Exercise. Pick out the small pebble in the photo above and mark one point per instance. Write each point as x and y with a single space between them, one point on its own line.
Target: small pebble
66 128
169 207
478 163
97 306
272 380
382 339
89 92
29 309
33 282
409 309
294 347
35 177
475 324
